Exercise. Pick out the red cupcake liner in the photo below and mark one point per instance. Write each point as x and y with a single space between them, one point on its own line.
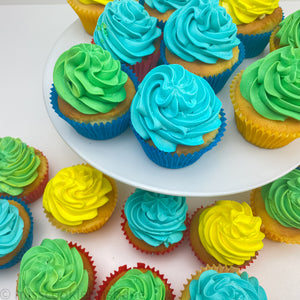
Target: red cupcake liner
166 250
92 264
244 266
125 268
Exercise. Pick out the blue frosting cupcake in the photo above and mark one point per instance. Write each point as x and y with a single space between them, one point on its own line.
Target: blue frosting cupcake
176 116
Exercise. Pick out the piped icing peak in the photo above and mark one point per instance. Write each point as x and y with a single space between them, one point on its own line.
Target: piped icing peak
282 199
173 106
135 284
156 218
247 11
224 286
272 84
75 193
52 270
11 227
89 79
164 5
18 166
230 233
127 31
201 30
289 32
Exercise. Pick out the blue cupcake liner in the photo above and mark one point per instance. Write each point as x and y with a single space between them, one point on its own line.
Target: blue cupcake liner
97 131
174 161
28 243
217 82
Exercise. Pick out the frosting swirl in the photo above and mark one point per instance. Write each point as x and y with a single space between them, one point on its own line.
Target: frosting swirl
156 218
74 194
135 284
223 286
173 106
272 84
11 227
18 166
127 31
201 30
282 199
247 11
52 270
230 233
164 5
89 79
289 32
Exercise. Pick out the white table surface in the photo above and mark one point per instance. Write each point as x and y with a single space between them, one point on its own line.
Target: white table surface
27 34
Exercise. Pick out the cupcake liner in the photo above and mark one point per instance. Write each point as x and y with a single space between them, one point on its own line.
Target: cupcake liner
174 161
122 269
28 243
255 134
88 14
200 254
97 131
217 82
148 249
80 249
272 229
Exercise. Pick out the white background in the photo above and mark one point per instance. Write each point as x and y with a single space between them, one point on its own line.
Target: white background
27 34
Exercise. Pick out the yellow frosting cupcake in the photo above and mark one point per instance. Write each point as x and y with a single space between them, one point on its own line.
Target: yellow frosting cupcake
226 233
80 199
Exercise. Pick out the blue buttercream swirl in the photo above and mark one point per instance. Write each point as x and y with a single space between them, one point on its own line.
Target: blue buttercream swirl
156 218
173 106
202 30
164 5
127 31
11 227
212 285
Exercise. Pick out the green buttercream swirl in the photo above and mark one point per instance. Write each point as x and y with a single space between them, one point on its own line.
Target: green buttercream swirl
289 32
136 285
272 84
52 270
282 199
18 166
89 79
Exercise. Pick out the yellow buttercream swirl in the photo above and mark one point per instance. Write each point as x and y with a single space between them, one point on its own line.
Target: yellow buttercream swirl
230 233
75 193
247 11
103 2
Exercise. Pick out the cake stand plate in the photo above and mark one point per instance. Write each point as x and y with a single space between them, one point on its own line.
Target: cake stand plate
233 166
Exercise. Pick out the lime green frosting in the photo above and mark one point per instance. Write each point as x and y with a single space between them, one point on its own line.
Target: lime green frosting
289 32
18 166
272 84
89 79
52 270
136 285
282 199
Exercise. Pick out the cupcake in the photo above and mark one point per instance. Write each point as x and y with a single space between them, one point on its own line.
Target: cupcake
277 204
162 9
88 12
140 282
222 283
153 222
176 116
255 22
16 231
80 199
287 33
226 233
265 99
23 170
127 31
56 270
202 38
